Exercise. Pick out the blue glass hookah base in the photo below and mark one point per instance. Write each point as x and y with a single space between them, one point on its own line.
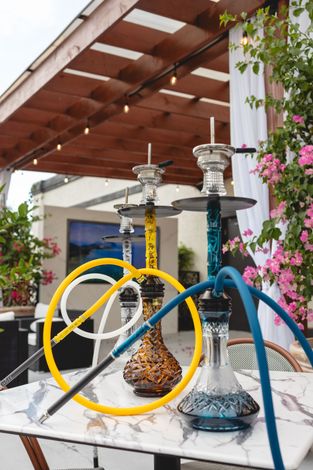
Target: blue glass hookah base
230 412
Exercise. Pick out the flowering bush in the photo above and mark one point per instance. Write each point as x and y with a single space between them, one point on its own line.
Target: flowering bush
285 159
21 257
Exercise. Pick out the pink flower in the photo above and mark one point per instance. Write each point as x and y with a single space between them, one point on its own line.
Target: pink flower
244 146
306 155
304 236
47 277
298 119
250 275
309 171
247 233
308 223
308 246
279 211
224 249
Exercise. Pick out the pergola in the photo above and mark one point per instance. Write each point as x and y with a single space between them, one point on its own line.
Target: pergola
119 52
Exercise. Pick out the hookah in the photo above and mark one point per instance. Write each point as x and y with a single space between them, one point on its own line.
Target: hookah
217 402
129 295
152 370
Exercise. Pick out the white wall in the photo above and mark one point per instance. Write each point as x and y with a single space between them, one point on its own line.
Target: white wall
83 296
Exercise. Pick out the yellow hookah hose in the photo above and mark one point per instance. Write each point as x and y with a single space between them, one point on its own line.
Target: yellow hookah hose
133 273
150 235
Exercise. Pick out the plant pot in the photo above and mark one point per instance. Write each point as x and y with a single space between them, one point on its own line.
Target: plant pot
297 352
19 311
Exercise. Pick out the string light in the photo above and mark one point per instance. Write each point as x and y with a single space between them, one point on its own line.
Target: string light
232 182
126 106
173 79
66 179
106 182
59 147
35 161
87 129
244 40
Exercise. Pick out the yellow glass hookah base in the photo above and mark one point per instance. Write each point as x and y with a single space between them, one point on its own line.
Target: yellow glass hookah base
138 273
152 371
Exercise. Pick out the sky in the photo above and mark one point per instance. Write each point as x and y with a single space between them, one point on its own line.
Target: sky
27 28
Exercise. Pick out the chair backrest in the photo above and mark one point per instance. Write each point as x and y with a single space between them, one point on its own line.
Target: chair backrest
242 355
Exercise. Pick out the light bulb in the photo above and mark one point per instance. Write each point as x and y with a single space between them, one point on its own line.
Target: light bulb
86 130
126 108
232 183
35 161
173 80
177 188
244 40
106 182
66 179
59 146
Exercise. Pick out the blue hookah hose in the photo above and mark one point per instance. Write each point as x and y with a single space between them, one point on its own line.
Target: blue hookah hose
245 292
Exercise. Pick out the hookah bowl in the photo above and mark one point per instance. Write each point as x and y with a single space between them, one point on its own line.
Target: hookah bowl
152 370
217 402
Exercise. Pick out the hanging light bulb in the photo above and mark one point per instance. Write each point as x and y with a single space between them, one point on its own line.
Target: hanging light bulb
66 179
173 79
87 129
232 182
59 147
177 188
106 182
244 40
126 105
35 161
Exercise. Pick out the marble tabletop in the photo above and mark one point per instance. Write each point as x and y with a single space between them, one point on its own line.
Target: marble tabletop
165 431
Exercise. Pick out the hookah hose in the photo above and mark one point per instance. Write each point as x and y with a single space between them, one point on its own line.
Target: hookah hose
118 350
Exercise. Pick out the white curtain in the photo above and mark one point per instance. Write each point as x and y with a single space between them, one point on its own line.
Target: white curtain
5 178
248 127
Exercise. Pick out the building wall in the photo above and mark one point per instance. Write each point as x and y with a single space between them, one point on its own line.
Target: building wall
55 225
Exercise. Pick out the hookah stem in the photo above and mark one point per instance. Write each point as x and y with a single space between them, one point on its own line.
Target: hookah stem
214 239
127 252
25 365
150 236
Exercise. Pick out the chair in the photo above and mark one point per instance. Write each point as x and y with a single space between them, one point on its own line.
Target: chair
13 350
242 355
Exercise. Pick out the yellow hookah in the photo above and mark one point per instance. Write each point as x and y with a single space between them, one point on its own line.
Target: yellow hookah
152 371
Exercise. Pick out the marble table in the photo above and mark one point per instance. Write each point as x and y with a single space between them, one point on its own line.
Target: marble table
164 432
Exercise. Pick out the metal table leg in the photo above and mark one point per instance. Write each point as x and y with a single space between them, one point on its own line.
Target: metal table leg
166 462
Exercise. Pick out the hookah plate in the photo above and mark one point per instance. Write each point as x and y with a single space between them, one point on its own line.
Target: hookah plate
140 211
228 204
121 238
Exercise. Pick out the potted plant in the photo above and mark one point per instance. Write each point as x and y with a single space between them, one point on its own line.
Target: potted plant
21 258
285 159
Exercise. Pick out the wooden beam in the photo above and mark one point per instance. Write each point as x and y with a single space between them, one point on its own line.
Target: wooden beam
101 19
201 87
104 172
130 36
172 122
189 107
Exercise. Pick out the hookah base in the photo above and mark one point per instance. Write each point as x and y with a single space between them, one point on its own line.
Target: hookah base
230 412
157 392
